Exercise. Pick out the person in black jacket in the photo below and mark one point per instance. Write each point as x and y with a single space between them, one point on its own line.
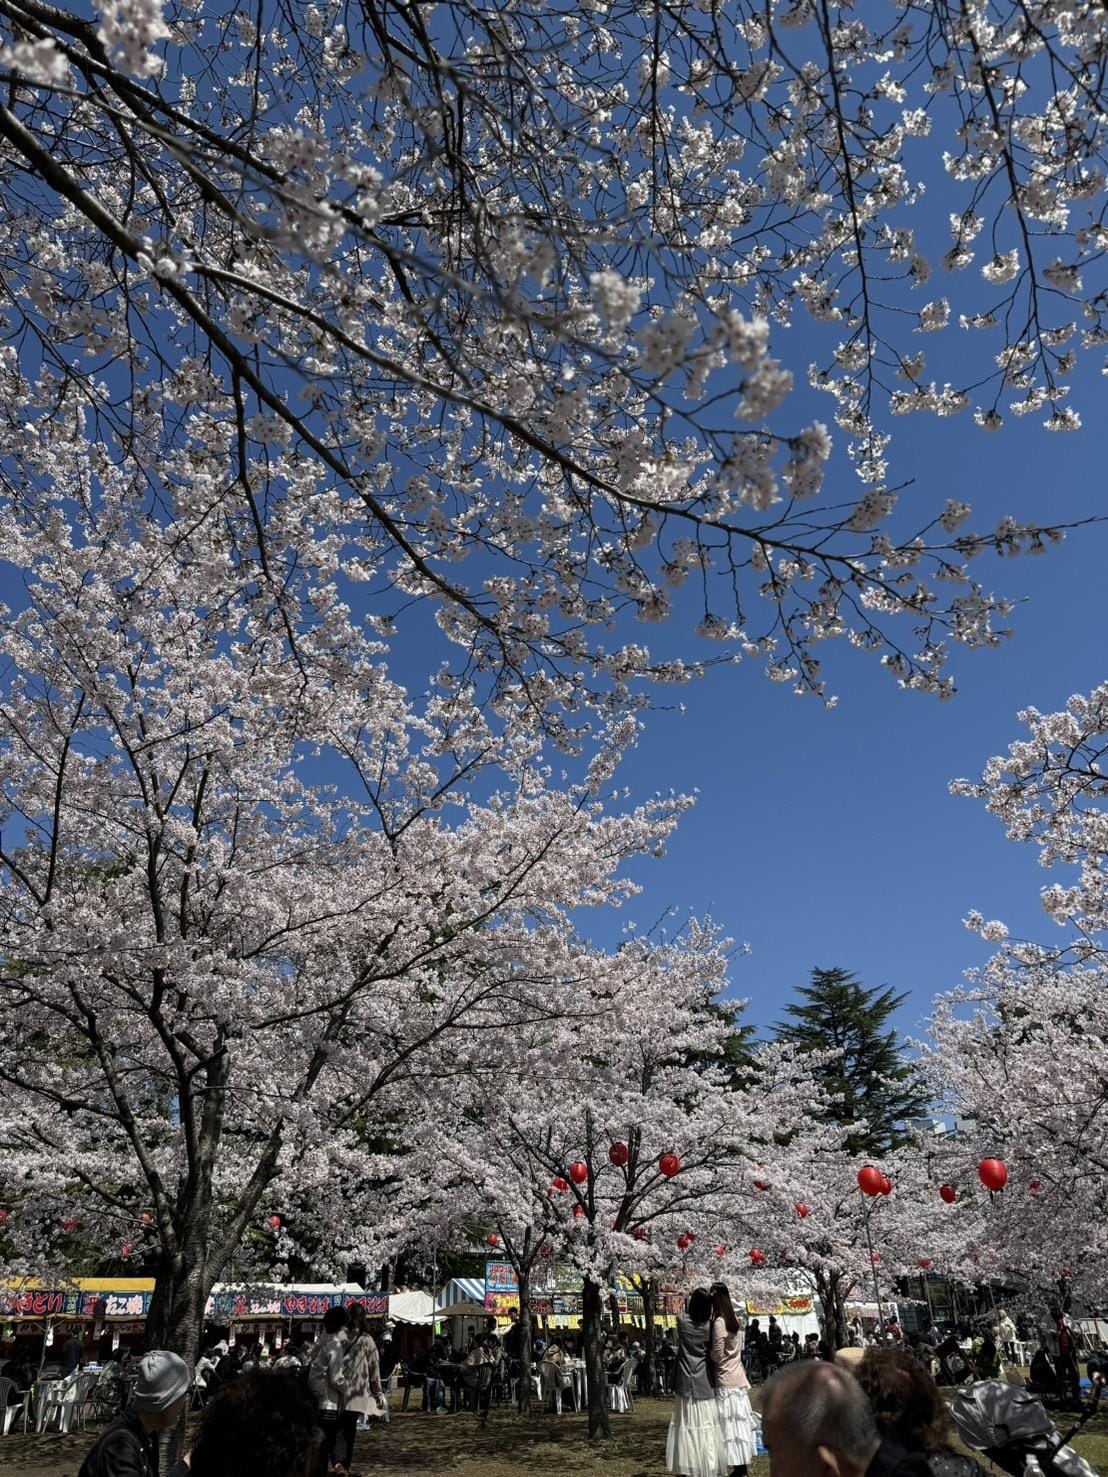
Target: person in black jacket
129 1446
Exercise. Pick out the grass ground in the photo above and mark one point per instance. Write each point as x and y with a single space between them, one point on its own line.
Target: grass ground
417 1446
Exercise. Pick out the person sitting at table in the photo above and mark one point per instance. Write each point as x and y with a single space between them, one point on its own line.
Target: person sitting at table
430 1365
615 1356
486 1352
553 1375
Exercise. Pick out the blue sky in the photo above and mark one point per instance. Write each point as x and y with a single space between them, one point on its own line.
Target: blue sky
829 838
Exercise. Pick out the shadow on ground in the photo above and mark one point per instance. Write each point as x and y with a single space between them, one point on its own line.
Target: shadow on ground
417 1445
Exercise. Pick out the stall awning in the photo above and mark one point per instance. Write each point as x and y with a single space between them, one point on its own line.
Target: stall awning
462 1290
412 1307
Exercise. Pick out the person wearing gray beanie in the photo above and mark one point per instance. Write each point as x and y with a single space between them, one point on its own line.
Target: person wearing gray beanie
129 1446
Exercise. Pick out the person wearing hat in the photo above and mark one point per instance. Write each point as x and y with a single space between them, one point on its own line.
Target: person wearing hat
129 1446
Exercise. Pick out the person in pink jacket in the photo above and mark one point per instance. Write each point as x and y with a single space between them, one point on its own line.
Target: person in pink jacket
736 1418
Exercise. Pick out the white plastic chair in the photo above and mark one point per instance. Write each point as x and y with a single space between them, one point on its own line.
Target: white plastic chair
58 1403
9 1414
620 1399
86 1383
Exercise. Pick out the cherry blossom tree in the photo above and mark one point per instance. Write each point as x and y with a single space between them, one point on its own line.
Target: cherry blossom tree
493 290
610 1145
1019 1050
250 897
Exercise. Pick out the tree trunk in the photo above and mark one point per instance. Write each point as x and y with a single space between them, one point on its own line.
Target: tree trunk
523 1393
175 1322
592 1305
648 1289
832 1297
176 1315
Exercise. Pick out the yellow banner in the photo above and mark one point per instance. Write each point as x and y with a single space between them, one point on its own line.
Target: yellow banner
782 1309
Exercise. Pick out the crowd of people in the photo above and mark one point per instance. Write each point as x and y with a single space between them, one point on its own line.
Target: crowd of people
861 1411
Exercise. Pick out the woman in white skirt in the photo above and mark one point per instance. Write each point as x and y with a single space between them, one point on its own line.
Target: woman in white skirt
736 1419
694 1447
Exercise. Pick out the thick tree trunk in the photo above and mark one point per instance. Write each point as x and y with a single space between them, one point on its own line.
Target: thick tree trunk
176 1316
592 1305
523 1392
832 1297
175 1322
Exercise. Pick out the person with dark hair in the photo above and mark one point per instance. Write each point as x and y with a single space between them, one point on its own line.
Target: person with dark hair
73 1351
907 1406
361 1375
264 1424
736 1419
817 1422
694 1446
986 1356
325 1380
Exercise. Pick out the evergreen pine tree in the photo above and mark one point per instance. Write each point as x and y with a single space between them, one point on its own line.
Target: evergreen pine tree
874 1086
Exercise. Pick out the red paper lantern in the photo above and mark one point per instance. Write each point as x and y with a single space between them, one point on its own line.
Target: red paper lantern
993 1174
925 1264
274 1223
71 1225
492 1240
757 1257
546 1251
948 1194
619 1155
1036 1187
762 1185
875 1258
670 1165
721 1251
886 1185
683 1243
640 1233
579 1172
578 1211
558 1186
871 1181
802 1210
4 1214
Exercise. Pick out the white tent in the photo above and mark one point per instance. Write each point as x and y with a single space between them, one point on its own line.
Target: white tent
412 1307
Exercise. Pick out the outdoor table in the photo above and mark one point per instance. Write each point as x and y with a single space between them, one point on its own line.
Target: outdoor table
575 1368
